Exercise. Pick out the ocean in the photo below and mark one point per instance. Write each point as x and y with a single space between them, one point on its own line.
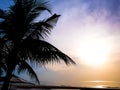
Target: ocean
99 84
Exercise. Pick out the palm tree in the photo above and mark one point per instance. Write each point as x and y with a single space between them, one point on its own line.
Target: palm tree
3 67
23 39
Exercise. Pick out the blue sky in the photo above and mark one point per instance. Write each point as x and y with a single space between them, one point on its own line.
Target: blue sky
84 22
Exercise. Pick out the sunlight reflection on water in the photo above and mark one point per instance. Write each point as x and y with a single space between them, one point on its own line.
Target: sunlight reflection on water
100 84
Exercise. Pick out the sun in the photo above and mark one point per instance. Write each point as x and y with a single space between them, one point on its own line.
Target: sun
94 51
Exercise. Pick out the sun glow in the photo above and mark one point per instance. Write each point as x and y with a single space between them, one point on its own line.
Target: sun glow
94 51
99 86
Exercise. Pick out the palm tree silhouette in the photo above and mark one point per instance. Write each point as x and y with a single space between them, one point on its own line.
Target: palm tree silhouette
22 39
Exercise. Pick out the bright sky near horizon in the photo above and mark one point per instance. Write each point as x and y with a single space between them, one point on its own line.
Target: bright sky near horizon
87 31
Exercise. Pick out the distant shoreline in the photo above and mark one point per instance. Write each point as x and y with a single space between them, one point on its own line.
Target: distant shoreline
68 87
50 87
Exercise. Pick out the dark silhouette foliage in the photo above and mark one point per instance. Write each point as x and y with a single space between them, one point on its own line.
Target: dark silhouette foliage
22 39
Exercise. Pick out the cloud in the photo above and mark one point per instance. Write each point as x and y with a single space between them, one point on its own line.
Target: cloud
100 8
112 6
79 19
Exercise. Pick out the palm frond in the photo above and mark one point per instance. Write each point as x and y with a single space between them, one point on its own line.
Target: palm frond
36 10
32 8
42 52
4 50
41 29
54 17
3 14
20 17
2 78
24 66
3 67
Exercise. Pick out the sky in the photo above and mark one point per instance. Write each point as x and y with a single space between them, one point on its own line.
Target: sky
87 31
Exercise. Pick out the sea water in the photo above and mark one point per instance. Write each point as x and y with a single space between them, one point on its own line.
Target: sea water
100 84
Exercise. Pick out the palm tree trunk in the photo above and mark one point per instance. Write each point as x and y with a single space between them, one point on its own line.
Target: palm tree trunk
11 67
7 80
